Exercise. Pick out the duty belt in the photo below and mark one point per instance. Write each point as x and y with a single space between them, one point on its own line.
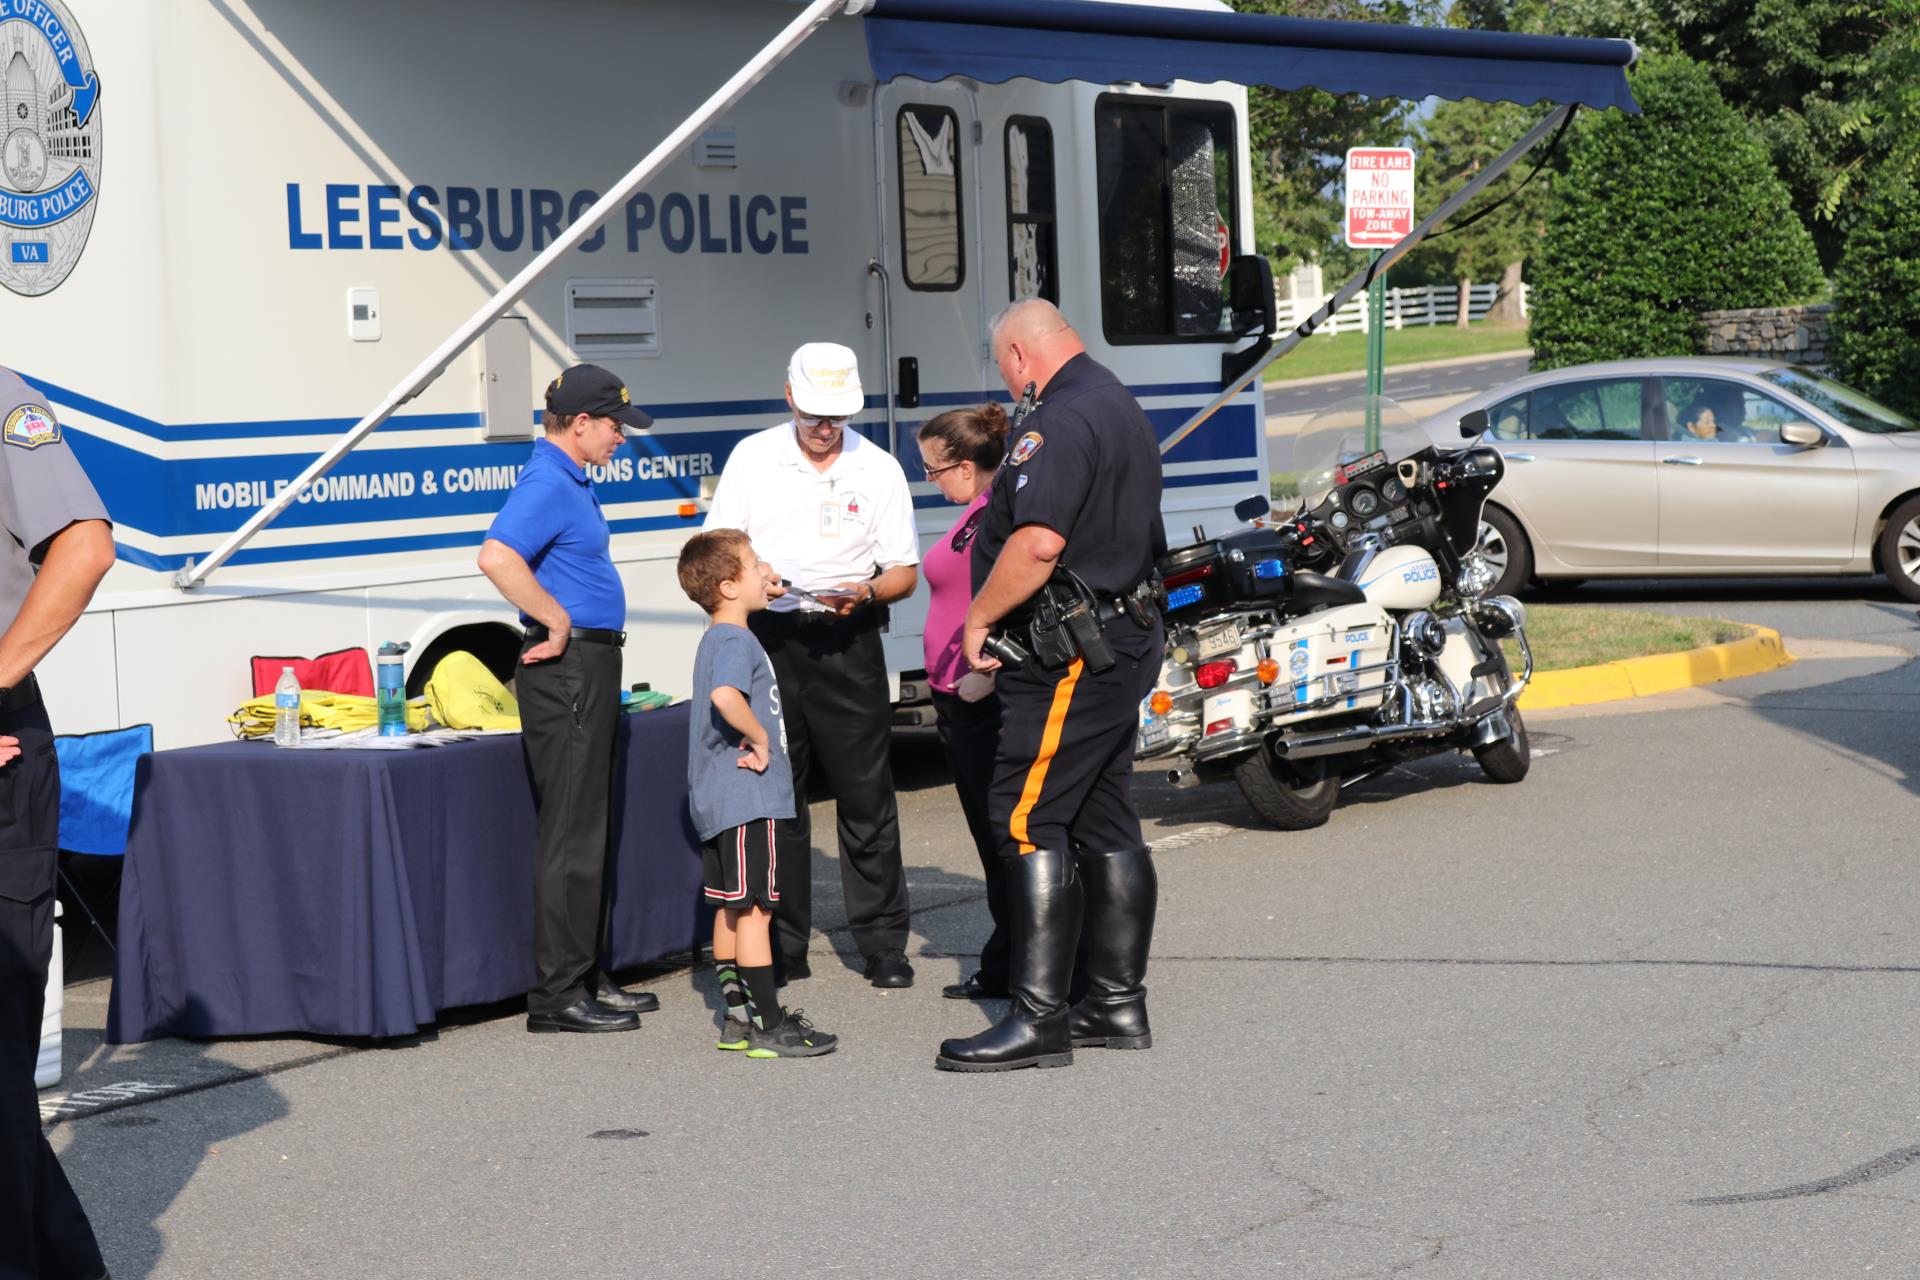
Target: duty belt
21 696
592 635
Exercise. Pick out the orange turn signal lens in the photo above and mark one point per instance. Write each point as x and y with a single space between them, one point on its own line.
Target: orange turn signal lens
1268 671
1161 702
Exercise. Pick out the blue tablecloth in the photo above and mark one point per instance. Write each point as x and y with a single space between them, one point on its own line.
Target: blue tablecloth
358 893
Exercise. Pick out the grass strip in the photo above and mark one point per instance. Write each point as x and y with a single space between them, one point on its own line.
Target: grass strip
1565 636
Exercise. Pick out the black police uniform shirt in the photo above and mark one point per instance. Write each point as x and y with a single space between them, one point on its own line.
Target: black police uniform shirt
42 488
1086 464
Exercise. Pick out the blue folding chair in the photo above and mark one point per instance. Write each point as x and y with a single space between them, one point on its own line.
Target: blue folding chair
96 796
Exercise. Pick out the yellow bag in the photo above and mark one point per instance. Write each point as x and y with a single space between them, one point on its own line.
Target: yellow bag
320 709
465 695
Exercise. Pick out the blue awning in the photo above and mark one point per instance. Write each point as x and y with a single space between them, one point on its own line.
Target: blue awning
1059 40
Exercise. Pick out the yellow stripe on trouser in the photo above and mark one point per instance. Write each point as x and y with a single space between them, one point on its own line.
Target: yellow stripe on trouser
1049 743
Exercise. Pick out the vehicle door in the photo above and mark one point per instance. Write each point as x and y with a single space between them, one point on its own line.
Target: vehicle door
930 218
1732 494
1581 469
929 158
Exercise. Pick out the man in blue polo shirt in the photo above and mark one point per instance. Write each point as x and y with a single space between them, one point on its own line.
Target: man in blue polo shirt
547 554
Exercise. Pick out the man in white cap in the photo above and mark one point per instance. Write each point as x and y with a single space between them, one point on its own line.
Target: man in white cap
830 510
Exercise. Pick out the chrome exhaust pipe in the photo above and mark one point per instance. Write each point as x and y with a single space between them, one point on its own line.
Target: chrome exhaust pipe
1185 779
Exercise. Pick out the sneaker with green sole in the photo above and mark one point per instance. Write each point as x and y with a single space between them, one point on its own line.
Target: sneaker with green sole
733 1034
794 1037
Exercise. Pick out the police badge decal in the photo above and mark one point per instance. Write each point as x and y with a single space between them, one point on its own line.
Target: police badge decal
49 144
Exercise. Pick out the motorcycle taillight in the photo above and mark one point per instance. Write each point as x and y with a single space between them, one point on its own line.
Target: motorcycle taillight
1211 675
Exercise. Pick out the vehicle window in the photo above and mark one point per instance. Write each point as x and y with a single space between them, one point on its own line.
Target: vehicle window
1600 410
1508 419
931 256
1032 252
1861 412
1166 186
1709 410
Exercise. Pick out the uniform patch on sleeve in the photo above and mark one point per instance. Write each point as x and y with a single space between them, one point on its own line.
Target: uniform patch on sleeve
1028 445
31 426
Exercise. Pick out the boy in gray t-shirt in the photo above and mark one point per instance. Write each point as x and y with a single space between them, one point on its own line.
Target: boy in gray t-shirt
739 783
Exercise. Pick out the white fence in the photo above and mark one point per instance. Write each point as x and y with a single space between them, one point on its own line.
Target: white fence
1433 304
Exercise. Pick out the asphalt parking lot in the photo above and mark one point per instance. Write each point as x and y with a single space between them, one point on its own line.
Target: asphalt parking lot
1649 1013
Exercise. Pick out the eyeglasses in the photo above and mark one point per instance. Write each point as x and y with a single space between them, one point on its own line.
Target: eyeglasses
964 534
931 472
814 424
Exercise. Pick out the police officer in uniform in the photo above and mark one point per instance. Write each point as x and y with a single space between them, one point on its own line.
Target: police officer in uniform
59 546
547 553
1063 567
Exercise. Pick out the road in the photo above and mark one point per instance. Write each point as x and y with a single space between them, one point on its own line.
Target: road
1458 381
1420 391
1651 1012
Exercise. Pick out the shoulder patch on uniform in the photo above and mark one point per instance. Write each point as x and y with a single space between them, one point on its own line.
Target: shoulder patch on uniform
31 426
1028 445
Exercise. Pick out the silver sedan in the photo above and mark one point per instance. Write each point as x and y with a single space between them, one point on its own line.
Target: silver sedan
1697 467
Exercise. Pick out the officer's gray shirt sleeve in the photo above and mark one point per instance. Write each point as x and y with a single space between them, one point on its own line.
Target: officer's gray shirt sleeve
45 489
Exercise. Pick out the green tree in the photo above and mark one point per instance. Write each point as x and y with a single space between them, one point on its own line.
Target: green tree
1298 141
1793 68
1876 298
1659 217
1454 144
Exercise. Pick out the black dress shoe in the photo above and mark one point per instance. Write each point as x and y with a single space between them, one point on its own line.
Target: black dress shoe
612 997
584 1014
973 989
889 969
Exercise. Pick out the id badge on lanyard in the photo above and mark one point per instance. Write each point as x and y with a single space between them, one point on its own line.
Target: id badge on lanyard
829 519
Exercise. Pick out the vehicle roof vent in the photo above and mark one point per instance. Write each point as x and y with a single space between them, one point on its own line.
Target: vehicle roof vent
718 148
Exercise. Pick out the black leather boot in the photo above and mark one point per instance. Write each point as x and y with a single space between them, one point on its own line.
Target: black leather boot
1043 910
1121 890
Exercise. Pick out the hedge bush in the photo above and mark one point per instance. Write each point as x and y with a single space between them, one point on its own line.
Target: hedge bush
1659 217
1876 300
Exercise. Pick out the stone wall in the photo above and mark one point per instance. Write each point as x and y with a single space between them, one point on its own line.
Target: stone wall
1798 334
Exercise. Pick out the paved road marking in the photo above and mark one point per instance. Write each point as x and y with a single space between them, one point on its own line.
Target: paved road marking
67 1106
1190 837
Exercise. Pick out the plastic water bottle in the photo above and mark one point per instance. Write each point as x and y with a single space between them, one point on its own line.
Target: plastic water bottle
286 710
390 688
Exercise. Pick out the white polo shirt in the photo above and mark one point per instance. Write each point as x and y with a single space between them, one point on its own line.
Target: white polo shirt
817 528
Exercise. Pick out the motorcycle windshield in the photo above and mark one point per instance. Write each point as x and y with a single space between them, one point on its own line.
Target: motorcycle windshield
1343 434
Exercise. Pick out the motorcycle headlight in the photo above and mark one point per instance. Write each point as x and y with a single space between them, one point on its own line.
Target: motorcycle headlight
1502 616
1477 576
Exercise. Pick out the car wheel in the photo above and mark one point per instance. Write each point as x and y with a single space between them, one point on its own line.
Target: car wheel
1504 543
1900 549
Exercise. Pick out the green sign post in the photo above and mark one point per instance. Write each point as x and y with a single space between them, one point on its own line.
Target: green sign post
1379 214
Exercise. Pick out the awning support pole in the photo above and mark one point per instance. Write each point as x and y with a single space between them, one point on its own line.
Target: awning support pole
1447 209
755 70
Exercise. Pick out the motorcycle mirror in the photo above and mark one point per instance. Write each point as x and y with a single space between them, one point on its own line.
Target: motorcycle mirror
1253 508
1474 425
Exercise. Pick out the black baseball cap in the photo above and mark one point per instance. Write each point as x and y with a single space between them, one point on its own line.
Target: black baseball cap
587 388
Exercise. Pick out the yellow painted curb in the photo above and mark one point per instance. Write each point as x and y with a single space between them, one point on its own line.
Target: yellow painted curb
1762 650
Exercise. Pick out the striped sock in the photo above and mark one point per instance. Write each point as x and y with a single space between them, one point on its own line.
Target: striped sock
732 989
760 996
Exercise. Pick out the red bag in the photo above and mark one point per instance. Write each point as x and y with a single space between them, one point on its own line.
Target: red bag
343 671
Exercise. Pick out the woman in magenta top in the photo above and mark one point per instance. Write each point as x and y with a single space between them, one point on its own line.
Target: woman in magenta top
961 450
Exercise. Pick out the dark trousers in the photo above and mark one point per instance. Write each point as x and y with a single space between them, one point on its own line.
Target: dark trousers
1063 776
833 696
569 709
44 1232
970 731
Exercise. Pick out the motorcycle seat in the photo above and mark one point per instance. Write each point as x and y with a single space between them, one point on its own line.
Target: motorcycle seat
1317 591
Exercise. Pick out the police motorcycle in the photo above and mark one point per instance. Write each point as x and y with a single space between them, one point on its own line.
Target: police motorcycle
1354 633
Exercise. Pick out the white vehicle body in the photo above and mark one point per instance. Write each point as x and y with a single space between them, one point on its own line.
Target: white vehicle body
280 190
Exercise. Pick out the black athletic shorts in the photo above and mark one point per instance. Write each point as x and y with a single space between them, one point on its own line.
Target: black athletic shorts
742 866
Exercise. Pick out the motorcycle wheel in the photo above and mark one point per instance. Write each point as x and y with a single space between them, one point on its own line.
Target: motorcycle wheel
1287 800
1509 759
